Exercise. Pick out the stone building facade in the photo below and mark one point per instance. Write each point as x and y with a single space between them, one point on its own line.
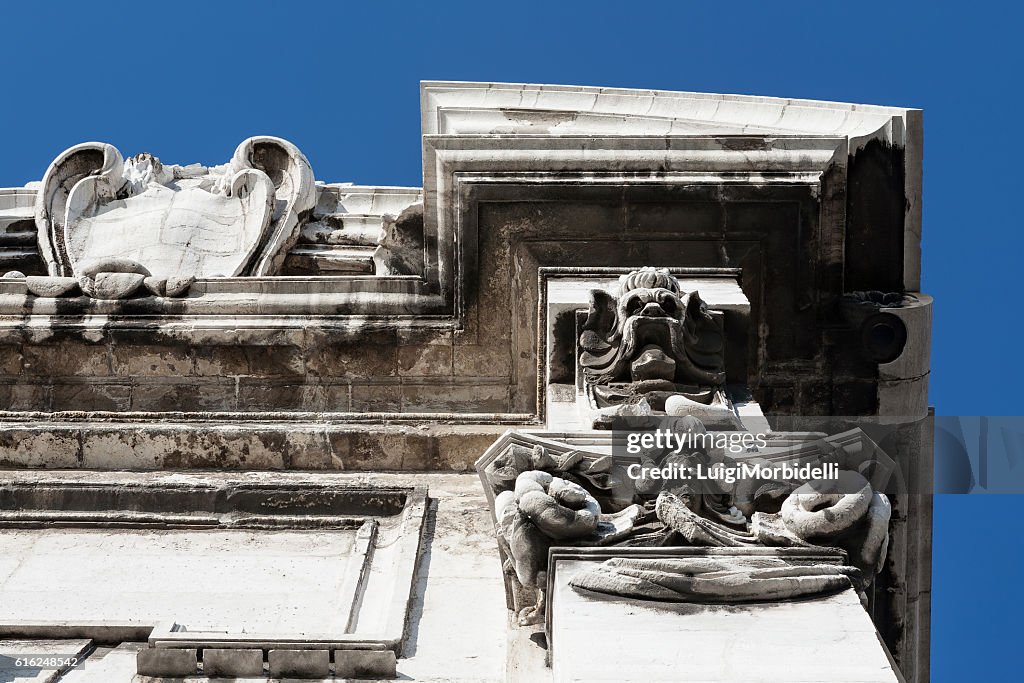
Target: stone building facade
241 348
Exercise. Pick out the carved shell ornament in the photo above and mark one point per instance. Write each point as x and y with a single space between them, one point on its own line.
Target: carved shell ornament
117 227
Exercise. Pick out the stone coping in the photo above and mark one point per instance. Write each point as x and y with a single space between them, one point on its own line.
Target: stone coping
232 303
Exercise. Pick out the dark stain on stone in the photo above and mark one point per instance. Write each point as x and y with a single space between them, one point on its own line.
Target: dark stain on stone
875 213
745 144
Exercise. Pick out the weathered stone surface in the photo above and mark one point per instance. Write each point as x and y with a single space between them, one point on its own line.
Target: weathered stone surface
365 664
10 360
185 395
110 449
21 447
430 360
51 286
66 359
167 662
176 223
259 394
298 445
258 361
111 285
173 286
299 663
783 193
159 361
377 356
232 663
23 397
478 395
654 643
482 361
376 398
90 396
400 251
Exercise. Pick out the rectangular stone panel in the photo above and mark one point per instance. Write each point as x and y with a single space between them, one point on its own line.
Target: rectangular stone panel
203 563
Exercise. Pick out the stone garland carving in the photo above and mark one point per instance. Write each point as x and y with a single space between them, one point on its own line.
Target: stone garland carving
536 509
576 499
653 350
816 514
114 228
730 580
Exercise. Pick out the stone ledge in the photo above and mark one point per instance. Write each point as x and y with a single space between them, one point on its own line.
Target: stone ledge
298 445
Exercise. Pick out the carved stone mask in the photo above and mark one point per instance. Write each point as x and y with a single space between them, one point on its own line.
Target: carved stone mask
654 331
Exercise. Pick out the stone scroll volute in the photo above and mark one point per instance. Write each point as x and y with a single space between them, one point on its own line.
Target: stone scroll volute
173 222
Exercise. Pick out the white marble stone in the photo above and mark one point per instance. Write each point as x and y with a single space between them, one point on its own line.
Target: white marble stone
175 221
285 581
610 639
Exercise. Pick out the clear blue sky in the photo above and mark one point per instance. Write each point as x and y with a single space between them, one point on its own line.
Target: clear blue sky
188 80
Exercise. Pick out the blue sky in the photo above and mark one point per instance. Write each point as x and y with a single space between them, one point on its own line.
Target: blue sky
187 81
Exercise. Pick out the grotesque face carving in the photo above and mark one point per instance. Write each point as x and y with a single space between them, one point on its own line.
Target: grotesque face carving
653 332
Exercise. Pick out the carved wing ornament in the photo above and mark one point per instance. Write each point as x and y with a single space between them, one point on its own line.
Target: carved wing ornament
113 226
294 195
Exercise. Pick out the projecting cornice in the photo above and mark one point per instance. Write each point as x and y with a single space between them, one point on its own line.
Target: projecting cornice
524 115
462 108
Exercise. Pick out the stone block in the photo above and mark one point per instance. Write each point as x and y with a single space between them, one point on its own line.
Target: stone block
25 396
299 663
486 395
424 336
10 360
431 360
339 446
67 359
255 361
258 394
376 398
365 664
815 398
152 361
226 447
91 396
388 451
232 663
479 361
41 447
376 355
458 451
311 450
184 396
112 448
337 397
166 662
